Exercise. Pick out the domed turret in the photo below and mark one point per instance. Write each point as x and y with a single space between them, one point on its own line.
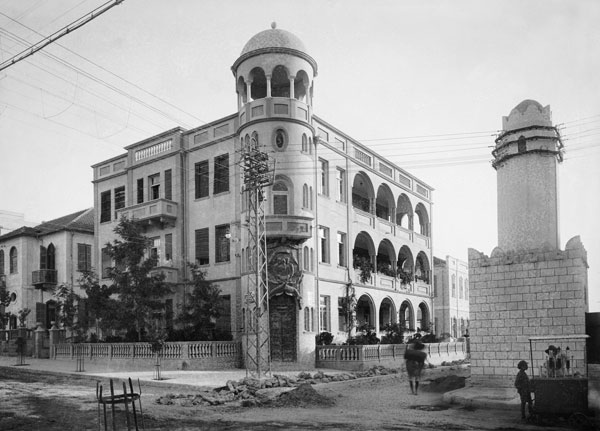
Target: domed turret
274 63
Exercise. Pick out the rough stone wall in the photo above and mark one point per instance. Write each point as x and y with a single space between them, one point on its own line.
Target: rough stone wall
516 295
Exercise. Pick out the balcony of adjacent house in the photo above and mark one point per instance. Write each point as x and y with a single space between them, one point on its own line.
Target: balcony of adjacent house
44 278
288 226
157 211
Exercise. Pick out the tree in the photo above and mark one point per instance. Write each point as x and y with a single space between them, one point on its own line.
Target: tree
135 300
201 309
66 301
4 301
102 308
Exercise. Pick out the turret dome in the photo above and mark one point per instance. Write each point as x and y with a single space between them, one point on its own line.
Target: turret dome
273 38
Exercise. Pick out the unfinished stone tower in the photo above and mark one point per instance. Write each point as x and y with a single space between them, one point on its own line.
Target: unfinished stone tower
528 286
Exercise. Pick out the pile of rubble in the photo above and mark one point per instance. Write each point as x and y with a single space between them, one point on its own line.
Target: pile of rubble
250 391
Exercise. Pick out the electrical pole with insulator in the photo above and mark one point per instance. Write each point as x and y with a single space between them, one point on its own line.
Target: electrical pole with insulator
258 172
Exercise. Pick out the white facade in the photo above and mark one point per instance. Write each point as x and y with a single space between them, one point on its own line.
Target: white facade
333 203
451 297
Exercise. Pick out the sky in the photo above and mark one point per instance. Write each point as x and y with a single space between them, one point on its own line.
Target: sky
423 83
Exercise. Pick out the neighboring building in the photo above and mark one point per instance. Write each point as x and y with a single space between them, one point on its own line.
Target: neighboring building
527 287
34 260
10 220
451 296
335 206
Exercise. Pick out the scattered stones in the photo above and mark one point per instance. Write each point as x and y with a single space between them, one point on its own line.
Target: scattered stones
278 390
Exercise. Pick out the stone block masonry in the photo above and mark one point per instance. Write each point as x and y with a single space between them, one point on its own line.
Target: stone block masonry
519 294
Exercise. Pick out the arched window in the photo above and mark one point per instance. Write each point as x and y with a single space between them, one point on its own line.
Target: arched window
454 285
50 258
310 197
305 196
13 260
280 198
304 143
1 262
521 144
306 258
307 319
460 287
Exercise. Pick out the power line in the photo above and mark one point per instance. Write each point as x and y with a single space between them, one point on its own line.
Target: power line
103 83
110 72
60 33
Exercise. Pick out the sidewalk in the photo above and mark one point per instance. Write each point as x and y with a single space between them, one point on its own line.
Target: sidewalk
186 380
485 397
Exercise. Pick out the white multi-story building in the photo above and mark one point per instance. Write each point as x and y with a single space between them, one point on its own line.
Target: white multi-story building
451 296
348 231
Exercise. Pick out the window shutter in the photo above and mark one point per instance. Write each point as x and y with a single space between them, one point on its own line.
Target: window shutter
202 246
221 180
43 257
168 181
140 190
80 257
201 179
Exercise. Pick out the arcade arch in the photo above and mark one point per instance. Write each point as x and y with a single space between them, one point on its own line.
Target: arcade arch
362 192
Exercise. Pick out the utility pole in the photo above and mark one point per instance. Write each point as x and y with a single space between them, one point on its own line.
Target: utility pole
257 173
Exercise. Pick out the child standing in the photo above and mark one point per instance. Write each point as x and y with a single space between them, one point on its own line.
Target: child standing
523 386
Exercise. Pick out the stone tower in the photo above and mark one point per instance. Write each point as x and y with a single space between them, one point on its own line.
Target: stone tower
527 287
526 159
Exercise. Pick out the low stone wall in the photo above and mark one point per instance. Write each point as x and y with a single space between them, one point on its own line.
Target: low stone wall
8 341
358 358
192 355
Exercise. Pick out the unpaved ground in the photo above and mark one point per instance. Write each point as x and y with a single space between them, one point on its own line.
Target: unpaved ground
30 402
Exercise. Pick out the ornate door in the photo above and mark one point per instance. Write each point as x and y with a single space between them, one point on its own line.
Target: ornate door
282 316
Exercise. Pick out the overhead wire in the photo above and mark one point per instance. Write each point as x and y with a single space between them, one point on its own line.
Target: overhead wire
94 79
162 100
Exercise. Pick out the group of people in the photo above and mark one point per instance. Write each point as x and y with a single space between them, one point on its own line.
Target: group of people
557 364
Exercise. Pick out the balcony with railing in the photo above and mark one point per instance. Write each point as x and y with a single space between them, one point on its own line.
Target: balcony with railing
170 272
44 278
157 210
289 226
274 107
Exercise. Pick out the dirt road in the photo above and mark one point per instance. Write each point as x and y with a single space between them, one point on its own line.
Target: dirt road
50 403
